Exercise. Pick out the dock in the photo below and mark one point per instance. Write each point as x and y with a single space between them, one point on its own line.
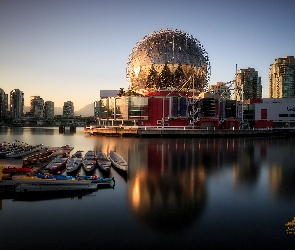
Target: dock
50 185
7 186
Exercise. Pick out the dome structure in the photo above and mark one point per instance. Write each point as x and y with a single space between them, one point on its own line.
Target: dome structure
168 60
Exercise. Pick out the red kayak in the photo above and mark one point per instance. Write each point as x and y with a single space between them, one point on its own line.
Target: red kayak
15 170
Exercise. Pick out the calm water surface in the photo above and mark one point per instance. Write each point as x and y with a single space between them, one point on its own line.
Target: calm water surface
178 193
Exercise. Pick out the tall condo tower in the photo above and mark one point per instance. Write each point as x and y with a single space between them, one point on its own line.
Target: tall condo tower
37 106
49 109
3 103
68 109
248 84
282 78
16 103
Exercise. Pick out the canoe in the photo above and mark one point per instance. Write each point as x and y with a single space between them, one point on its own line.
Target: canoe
22 151
88 165
5 176
57 164
16 170
103 162
74 162
34 180
89 155
103 180
93 179
118 161
54 176
96 179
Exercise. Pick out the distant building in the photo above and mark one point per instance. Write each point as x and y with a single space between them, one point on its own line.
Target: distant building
282 78
221 89
3 104
275 113
68 109
248 84
16 103
108 93
96 108
37 107
159 109
49 109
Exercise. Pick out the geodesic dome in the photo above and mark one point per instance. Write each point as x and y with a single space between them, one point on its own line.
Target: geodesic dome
168 60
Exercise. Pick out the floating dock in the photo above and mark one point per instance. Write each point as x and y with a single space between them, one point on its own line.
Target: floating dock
32 184
7 186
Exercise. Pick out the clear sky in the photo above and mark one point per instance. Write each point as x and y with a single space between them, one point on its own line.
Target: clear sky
69 50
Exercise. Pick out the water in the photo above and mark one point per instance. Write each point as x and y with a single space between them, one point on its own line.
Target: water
179 193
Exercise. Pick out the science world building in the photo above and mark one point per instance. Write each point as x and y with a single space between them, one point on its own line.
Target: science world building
167 72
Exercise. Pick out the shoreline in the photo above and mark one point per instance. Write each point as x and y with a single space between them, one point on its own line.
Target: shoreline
135 131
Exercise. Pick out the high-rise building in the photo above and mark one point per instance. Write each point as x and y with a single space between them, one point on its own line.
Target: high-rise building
16 103
248 84
49 109
3 104
282 78
96 105
68 109
37 106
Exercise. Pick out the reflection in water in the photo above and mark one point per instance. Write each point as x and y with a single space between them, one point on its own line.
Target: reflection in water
193 187
39 196
167 181
168 193
167 204
282 182
37 130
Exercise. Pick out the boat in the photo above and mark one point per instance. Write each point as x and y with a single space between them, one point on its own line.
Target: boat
5 176
74 162
103 162
71 164
20 151
93 179
97 180
54 176
88 165
12 170
89 162
101 180
118 161
90 155
38 157
57 164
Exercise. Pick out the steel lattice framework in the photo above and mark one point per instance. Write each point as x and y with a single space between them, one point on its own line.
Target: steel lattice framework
168 60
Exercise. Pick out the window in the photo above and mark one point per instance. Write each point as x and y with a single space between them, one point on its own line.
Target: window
263 113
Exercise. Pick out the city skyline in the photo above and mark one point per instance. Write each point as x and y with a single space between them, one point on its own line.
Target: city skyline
70 50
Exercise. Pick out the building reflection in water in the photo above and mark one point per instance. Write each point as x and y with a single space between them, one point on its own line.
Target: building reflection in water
167 182
168 193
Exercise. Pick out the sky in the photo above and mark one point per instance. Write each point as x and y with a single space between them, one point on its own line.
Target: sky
69 50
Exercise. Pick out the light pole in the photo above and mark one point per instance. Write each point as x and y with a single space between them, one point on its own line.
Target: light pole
163 112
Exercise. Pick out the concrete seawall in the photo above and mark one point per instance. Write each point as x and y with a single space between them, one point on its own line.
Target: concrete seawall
186 132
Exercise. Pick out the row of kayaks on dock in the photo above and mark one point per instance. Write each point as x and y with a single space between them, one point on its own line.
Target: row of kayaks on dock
92 159
71 163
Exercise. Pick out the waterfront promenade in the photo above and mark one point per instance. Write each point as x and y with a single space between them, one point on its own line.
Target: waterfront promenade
142 131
